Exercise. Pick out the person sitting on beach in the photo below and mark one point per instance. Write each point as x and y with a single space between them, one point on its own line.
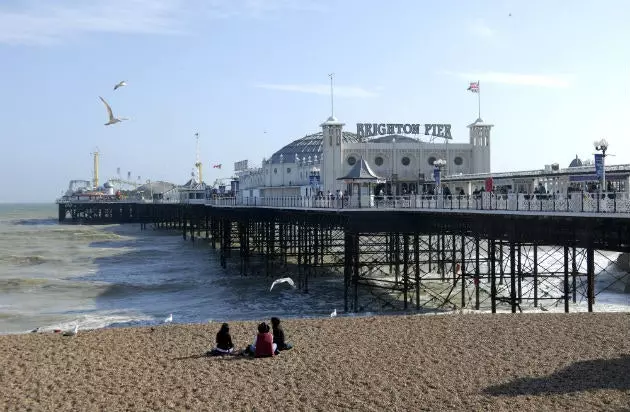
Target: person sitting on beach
224 342
278 335
263 345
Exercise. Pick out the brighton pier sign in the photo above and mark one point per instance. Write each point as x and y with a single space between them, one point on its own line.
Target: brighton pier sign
380 129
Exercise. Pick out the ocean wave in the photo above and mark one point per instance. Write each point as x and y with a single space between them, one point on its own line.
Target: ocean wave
48 221
97 320
124 289
31 260
18 284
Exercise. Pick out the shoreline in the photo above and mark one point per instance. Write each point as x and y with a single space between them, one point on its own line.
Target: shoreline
402 362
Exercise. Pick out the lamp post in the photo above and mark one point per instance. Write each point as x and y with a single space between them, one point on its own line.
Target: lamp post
602 145
438 164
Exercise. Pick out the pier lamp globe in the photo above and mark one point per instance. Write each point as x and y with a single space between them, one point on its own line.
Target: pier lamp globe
439 163
601 144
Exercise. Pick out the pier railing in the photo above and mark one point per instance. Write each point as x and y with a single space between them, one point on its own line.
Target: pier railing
577 202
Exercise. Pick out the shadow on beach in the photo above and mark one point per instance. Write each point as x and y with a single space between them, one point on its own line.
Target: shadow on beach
580 376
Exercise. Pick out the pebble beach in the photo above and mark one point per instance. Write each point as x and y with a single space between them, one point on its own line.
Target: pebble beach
455 362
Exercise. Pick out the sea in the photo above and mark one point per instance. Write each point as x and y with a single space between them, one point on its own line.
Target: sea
54 276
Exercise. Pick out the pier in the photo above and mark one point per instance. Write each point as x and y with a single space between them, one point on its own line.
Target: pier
403 259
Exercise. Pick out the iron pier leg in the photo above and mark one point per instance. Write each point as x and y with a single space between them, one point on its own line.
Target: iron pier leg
463 271
405 267
355 259
416 251
566 279
590 277
477 272
493 277
347 267
574 274
535 268
513 276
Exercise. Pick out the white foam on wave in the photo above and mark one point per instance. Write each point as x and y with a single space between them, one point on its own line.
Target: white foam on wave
96 321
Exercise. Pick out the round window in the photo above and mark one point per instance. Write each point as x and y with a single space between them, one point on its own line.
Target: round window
275 170
288 170
432 160
378 161
458 161
405 161
352 160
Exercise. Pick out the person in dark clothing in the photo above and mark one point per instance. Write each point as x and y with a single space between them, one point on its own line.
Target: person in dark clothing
224 342
278 335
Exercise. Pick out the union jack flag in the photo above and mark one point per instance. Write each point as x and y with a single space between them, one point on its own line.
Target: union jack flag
217 166
474 87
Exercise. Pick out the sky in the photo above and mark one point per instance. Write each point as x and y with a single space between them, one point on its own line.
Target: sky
252 75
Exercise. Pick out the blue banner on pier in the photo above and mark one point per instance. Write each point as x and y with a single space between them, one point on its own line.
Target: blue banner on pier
436 175
599 165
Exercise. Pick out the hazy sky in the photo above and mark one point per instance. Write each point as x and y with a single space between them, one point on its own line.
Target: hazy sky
555 76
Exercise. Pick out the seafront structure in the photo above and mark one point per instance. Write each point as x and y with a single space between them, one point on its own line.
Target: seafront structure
394 152
358 208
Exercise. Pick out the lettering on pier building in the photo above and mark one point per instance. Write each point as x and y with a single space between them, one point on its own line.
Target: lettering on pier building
380 129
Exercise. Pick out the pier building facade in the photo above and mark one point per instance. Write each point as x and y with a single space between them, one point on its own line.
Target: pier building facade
395 152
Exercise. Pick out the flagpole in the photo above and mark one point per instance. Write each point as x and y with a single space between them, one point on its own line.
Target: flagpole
478 99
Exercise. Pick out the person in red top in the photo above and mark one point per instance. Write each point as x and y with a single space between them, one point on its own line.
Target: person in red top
264 342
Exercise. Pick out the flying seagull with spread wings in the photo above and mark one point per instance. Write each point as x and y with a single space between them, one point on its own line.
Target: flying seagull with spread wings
121 84
282 280
112 119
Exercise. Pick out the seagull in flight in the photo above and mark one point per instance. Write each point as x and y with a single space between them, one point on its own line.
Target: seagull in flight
169 319
282 280
121 84
112 119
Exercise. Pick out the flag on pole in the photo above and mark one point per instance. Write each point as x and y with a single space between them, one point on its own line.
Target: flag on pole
217 166
474 87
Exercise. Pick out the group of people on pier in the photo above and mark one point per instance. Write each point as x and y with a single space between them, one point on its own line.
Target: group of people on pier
265 344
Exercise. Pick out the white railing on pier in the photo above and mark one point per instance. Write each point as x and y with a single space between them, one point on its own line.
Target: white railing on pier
576 202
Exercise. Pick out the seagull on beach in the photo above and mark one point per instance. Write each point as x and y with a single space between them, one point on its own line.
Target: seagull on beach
121 84
169 319
73 331
334 313
112 119
282 280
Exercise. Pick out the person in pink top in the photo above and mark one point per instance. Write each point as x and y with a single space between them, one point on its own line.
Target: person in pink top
263 345
264 342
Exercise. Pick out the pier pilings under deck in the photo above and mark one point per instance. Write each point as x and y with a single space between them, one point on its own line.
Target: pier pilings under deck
398 259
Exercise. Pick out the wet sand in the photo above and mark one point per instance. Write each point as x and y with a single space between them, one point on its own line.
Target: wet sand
385 363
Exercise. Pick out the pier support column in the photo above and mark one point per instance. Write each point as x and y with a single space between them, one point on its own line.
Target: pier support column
535 270
566 279
513 276
590 277
416 257
493 277
347 268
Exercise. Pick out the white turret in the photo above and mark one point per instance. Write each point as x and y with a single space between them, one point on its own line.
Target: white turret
332 148
480 140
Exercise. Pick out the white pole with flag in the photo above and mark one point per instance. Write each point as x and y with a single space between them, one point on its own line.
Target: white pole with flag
474 87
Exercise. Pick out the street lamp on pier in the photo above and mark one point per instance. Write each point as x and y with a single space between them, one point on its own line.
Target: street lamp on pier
439 164
602 145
